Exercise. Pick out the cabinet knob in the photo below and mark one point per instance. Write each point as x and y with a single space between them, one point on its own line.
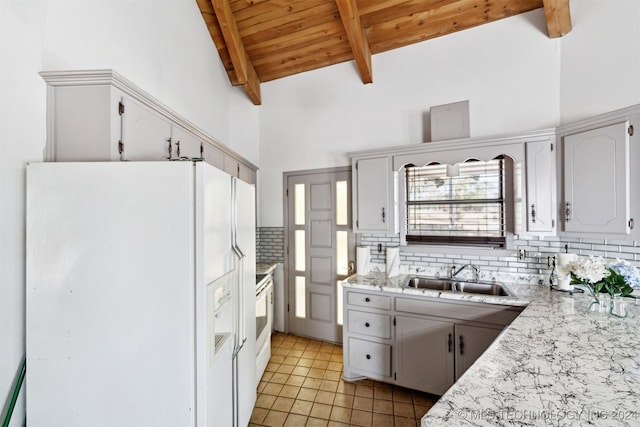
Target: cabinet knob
366 324
367 299
368 356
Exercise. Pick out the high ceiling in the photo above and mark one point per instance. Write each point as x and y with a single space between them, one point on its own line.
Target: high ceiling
263 40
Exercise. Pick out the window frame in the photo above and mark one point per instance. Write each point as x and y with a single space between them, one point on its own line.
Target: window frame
466 243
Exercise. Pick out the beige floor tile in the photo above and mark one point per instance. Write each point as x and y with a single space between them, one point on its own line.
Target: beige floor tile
295 420
280 351
258 415
339 414
290 391
332 375
296 380
285 369
383 406
321 364
335 366
272 389
301 407
323 356
343 400
279 378
266 376
265 401
315 373
328 385
361 418
402 395
325 397
363 403
307 363
420 410
307 394
290 360
297 351
272 367
382 420
346 388
364 390
311 383
275 419
309 353
424 398
336 357
337 424
403 409
317 422
405 422
282 404
320 410
276 358
383 393
300 370
261 386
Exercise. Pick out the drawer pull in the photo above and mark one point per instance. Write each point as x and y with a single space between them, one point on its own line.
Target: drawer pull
368 356
449 345
461 345
366 324
367 299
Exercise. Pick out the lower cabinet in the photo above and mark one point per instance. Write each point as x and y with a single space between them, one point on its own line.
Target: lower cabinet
417 342
424 354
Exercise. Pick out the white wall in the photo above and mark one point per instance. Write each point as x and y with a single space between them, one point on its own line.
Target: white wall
160 45
508 70
600 58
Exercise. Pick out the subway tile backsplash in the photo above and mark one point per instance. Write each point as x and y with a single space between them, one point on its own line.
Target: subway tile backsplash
270 244
533 268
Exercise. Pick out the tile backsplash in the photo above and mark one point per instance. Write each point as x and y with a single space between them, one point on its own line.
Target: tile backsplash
270 244
531 269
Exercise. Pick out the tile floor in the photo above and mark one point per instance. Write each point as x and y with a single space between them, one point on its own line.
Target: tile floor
302 386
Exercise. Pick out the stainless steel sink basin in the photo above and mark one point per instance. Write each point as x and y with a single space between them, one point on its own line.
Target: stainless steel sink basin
482 288
429 283
447 285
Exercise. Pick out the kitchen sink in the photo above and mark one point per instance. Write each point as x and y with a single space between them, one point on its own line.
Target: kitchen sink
429 283
448 285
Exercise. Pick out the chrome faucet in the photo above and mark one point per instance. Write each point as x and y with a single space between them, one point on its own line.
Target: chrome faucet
454 272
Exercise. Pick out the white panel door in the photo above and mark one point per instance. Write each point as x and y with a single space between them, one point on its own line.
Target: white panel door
110 294
596 180
321 246
145 134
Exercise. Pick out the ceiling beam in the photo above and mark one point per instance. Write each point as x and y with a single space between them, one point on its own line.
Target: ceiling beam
558 16
245 73
357 39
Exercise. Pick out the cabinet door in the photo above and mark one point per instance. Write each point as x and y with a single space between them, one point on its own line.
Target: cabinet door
540 187
185 144
213 155
373 210
145 134
369 358
471 342
596 181
424 354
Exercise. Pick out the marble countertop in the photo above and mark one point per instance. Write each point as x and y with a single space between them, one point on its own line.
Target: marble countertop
555 365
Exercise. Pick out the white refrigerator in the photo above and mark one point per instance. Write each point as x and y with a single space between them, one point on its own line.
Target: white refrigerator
140 300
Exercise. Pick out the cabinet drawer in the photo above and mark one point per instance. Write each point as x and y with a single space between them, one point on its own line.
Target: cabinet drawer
372 324
369 300
488 313
370 357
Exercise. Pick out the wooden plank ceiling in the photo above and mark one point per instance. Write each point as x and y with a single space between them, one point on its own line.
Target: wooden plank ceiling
263 40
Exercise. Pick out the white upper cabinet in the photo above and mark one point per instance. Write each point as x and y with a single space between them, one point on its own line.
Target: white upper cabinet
540 187
100 116
374 195
596 181
146 135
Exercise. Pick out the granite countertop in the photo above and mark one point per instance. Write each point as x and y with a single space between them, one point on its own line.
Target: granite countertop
556 364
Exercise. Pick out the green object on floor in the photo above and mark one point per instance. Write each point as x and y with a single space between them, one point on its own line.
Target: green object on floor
16 391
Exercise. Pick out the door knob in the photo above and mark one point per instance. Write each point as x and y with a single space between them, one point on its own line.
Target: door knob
351 267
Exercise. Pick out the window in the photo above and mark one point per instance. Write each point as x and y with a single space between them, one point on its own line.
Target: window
464 204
